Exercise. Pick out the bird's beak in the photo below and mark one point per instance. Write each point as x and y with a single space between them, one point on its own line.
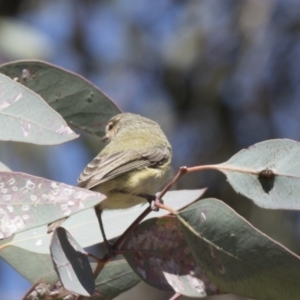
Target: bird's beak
105 139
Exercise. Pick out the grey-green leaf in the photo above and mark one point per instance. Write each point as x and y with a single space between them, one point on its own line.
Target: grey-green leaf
27 201
26 117
30 248
71 263
237 257
79 102
268 173
116 278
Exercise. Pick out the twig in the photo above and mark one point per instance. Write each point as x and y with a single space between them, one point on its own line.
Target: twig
175 296
165 207
181 172
101 263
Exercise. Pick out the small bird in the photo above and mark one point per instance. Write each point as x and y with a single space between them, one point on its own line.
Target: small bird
133 166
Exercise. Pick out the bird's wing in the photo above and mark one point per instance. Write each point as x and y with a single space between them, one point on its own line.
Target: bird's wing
108 166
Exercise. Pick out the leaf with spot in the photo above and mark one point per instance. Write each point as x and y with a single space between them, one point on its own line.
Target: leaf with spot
27 201
79 102
237 257
26 117
71 263
268 173
159 254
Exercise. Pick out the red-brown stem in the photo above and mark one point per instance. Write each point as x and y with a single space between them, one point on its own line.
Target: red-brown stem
180 173
175 296
165 207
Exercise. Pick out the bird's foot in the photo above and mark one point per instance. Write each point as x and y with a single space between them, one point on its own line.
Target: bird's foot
153 201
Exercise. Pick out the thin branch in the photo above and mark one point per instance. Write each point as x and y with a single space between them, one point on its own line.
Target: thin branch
165 207
175 296
181 172
100 264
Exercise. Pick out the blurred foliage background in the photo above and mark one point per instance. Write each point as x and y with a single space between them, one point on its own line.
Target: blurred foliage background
218 75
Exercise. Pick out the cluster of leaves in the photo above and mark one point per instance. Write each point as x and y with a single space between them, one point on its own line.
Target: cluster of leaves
203 248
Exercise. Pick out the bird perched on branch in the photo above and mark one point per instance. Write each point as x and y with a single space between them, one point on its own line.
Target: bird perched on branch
132 167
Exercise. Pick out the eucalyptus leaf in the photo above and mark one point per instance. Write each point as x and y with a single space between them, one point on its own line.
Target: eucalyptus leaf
237 257
26 117
78 101
159 254
27 201
71 263
268 173
28 253
116 278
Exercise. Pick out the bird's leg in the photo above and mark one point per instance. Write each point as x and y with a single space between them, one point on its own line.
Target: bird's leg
152 199
107 244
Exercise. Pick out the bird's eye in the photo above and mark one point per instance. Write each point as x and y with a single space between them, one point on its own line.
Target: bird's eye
110 126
